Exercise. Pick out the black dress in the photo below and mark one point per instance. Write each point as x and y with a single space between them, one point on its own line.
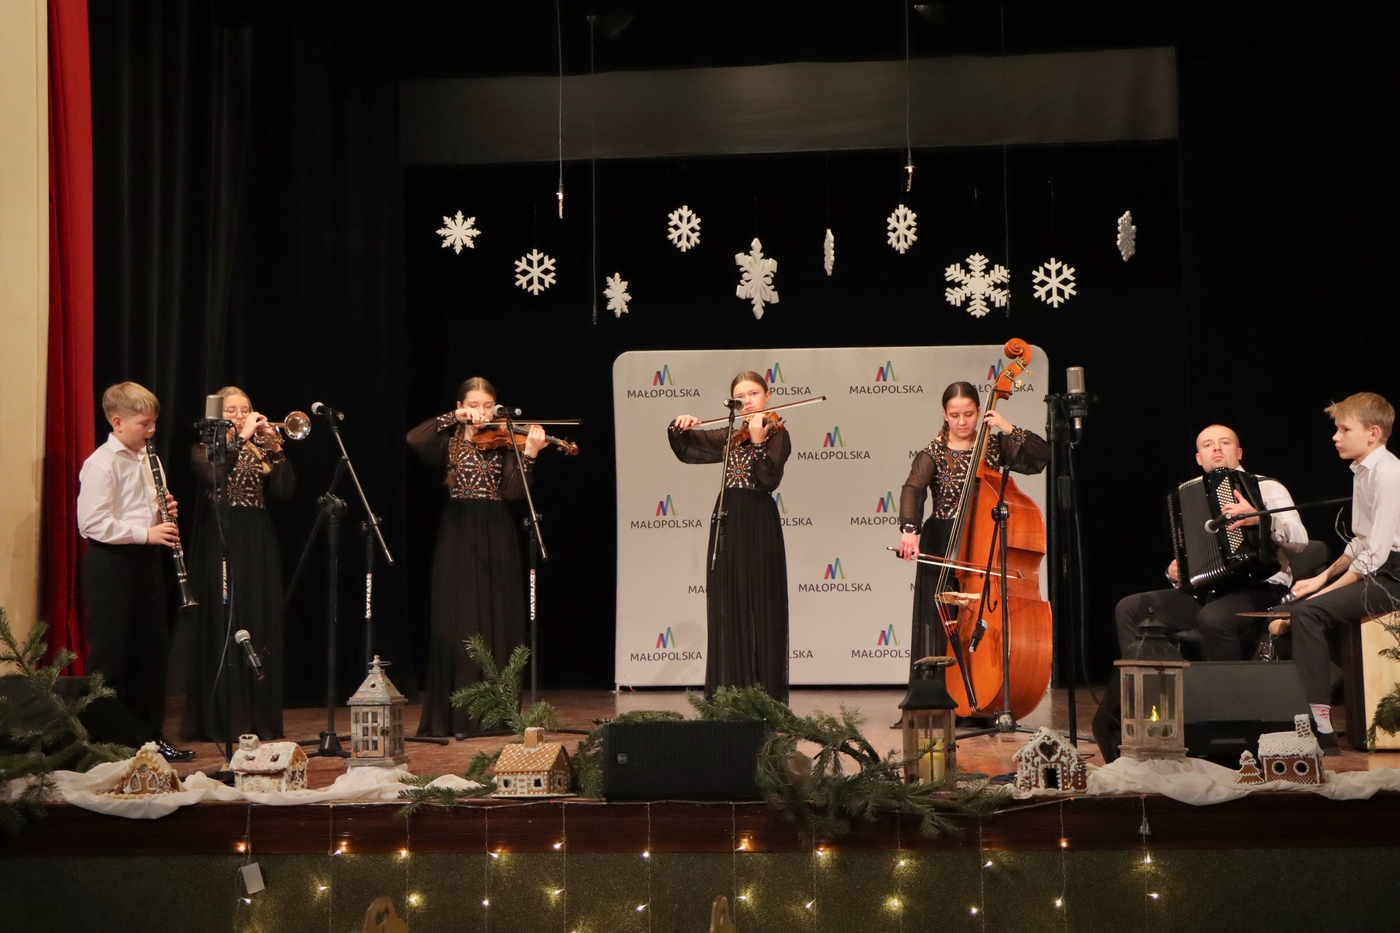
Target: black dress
746 594
478 586
941 469
255 592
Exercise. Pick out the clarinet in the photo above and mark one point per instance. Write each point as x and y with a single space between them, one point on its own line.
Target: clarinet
186 595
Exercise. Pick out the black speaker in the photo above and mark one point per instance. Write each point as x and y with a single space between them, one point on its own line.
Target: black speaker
106 719
1229 704
688 760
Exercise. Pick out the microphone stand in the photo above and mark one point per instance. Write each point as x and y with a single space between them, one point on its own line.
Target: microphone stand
213 438
717 520
1225 521
537 554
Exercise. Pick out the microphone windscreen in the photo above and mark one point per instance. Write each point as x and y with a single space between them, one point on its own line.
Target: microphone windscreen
241 636
213 407
1074 380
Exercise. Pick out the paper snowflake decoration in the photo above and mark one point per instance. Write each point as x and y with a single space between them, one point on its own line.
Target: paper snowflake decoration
617 296
756 282
975 286
1127 235
534 272
829 251
1057 282
902 224
684 228
457 232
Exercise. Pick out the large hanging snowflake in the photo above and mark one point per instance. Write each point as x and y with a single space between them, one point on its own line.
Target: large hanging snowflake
458 232
902 224
1058 282
976 285
1127 235
534 272
829 251
756 283
617 296
684 228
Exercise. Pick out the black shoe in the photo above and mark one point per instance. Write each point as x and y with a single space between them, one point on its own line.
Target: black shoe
171 753
1330 746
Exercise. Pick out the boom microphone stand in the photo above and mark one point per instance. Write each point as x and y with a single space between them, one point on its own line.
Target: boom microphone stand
537 554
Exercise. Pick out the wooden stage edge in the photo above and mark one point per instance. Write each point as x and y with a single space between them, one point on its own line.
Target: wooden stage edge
1265 820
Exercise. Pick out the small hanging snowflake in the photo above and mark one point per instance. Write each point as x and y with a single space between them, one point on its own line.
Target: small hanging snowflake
457 232
617 296
756 283
534 272
1127 235
902 224
684 228
1058 280
976 285
829 251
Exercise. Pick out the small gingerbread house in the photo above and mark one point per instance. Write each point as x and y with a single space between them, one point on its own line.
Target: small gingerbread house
265 768
146 774
534 768
1292 756
1049 762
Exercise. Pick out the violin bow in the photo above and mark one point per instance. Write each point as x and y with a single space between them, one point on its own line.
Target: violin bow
713 422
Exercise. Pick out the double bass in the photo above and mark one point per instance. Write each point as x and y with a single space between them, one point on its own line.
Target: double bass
991 675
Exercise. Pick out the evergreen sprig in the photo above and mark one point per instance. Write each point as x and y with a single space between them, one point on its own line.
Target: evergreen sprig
494 700
58 741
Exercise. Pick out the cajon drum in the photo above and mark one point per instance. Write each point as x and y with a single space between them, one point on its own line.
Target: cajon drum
1379 674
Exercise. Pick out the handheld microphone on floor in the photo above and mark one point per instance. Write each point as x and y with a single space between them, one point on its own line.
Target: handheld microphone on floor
249 654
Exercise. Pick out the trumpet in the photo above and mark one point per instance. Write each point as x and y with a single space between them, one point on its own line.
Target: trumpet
296 427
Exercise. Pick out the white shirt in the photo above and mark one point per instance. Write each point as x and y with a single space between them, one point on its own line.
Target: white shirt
1375 510
117 498
1287 532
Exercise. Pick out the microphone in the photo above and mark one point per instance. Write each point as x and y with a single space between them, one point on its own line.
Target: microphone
213 407
1078 401
243 638
325 411
733 404
505 411
977 634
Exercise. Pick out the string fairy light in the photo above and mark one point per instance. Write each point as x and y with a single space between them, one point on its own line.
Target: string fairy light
1064 866
1150 897
486 869
980 909
647 857
564 851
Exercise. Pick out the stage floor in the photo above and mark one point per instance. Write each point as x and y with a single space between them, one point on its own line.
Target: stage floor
579 708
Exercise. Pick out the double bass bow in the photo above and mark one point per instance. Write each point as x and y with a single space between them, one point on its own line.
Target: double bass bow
995 675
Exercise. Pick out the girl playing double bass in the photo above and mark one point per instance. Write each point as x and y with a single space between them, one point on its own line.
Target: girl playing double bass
746 597
941 468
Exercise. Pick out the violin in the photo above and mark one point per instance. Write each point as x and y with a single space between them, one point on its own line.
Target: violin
498 435
772 419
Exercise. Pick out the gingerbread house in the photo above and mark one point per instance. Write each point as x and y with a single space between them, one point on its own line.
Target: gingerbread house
147 773
533 768
1292 756
1049 762
265 768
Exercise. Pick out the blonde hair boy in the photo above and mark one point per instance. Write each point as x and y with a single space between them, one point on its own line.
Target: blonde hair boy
126 399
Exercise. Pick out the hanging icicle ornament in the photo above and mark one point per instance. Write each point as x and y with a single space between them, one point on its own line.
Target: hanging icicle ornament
976 285
1127 236
457 232
829 251
617 296
902 224
756 282
534 272
684 228
1056 282
559 193
908 172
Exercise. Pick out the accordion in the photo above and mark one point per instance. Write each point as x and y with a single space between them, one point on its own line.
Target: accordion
1218 561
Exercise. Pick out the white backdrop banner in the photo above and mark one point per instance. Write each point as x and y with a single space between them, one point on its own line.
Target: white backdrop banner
850 599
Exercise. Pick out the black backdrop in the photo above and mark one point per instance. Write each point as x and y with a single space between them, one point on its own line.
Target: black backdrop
255 226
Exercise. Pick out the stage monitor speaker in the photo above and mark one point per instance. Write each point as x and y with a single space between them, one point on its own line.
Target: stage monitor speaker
690 760
1229 704
106 719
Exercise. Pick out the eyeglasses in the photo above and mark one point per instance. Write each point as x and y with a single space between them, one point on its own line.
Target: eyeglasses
238 411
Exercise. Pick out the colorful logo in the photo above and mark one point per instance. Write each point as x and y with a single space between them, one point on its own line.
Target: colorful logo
834 571
774 376
994 371
886 503
778 498
833 438
667 639
663 377
666 507
885 373
886 637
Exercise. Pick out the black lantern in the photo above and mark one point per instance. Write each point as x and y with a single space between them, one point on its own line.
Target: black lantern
929 722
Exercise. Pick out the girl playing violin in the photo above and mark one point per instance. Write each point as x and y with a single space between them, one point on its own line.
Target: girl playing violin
746 595
941 468
478 587
255 470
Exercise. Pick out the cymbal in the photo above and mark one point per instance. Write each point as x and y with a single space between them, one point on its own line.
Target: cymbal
1267 614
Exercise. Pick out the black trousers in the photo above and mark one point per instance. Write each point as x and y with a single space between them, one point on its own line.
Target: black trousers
1373 595
126 590
1225 636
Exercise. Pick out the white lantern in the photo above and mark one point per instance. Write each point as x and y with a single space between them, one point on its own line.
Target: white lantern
376 721
1154 722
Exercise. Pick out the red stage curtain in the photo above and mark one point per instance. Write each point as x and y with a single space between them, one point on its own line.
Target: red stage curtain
68 431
